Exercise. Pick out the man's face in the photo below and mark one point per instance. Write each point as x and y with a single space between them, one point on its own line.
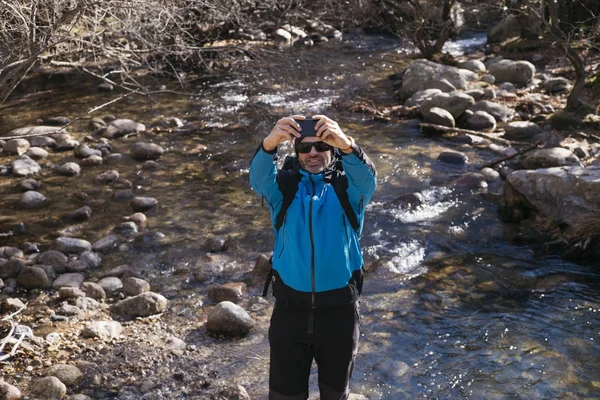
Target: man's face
314 161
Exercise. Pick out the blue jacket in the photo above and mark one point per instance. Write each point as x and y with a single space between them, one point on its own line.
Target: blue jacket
317 260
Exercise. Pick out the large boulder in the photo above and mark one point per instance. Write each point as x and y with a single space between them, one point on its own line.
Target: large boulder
559 193
424 74
549 158
521 73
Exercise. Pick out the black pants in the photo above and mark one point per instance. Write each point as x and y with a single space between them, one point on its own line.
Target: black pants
329 335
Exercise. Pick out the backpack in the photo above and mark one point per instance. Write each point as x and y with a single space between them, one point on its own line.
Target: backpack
288 178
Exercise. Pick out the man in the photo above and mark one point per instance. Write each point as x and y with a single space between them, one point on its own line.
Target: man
317 260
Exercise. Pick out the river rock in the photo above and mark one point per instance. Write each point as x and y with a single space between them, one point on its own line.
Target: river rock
108 176
9 392
481 121
229 319
42 141
11 268
424 74
72 245
81 214
16 146
107 244
231 291
146 151
500 112
92 259
237 392
93 290
32 130
439 116
69 169
111 285
33 278
140 220
133 286
73 279
548 158
36 153
122 127
469 181
558 193
84 151
521 73
456 103
142 305
66 145
48 388
54 258
557 85
521 130
70 375
24 166
29 184
453 157
472 65
281 35
91 161
143 203
420 96
31 199
103 330
68 292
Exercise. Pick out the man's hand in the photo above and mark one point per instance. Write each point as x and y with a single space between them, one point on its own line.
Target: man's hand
286 129
330 132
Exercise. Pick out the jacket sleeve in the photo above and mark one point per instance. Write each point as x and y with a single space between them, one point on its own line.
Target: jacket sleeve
263 178
362 176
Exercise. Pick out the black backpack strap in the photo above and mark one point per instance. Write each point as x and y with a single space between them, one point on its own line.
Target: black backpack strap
339 181
287 179
269 278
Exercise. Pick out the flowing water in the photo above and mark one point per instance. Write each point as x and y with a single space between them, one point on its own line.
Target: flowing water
454 306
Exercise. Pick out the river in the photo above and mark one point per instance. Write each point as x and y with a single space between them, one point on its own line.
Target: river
455 306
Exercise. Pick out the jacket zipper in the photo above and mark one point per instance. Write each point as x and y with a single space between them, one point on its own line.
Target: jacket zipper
312 243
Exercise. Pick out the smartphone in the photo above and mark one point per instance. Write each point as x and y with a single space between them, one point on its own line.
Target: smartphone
308 127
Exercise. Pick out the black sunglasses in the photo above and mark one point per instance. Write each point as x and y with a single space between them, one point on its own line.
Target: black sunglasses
306 147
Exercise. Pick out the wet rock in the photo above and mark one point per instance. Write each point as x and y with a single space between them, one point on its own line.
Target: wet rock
111 285
72 245
490 175
31 248
69 169
107 244
110 176
36 153
66 145
143 203
231 291
84 151
481 121
122 195
91 161
122 127
521 130
420 96
140 220
141 151
33 278
70 375
133 286
520 73
56 121
29 184
10 252
453 157
9 392
32 130
455 103
48 388
16 146
73 279
469 181
548 158
143 305
103 330
262 266
126 229
150 165
217 244
31 199
229 319
24 166
281 35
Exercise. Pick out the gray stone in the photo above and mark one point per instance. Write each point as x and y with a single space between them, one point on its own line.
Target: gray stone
83 151
103 330
424 74
92 259
48 388
69 169
24 166
232 291
453 157
122 127
31 199
29 184
143 203
439 116
107 244
110 176
73 279
520 73
9 392
42 141
141 151
558 85
81 214
227 318
472 65
93 290
70 375
36 153
481 121
500 112
72 245
111 284
16 146
419 97
521 130
142 305
56 259
133 286
456 103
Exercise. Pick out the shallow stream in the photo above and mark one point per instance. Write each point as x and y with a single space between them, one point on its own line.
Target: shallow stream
453 308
